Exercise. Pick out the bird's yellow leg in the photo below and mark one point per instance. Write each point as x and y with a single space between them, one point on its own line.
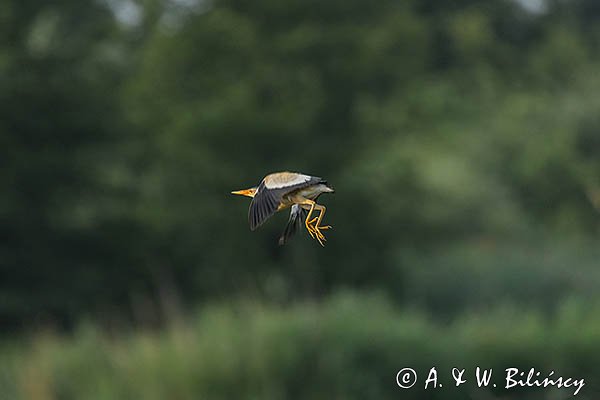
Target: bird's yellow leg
319 218
309 228
314 230
317 226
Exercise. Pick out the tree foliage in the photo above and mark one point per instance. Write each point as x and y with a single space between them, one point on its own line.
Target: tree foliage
443 125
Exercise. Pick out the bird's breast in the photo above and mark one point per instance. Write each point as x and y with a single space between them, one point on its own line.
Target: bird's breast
312 192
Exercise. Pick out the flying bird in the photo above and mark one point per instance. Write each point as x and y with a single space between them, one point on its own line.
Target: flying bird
282 190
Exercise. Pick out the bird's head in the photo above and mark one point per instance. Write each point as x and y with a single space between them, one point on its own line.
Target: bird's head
246 192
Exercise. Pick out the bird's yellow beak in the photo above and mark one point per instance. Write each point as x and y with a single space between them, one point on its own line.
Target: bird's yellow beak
245 192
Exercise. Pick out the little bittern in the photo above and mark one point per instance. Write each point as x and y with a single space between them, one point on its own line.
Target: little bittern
281 190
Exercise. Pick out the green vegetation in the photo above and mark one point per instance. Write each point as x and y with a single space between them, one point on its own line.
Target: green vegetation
439 125
351 347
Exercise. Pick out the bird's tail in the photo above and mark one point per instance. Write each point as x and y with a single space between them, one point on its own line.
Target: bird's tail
297 216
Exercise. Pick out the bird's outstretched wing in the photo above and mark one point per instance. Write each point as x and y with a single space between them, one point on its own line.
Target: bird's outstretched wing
270 192
297 215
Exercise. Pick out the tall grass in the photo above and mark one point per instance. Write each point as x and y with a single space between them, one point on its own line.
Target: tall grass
349 347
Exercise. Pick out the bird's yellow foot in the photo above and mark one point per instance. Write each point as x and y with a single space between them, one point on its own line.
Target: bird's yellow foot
310 229
315 234
321 240
315 231
314 225
318 228
319 235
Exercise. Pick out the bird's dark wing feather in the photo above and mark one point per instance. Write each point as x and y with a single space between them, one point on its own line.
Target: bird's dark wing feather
297 216
267 200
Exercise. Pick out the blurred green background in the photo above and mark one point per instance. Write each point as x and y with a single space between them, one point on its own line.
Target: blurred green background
463 140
